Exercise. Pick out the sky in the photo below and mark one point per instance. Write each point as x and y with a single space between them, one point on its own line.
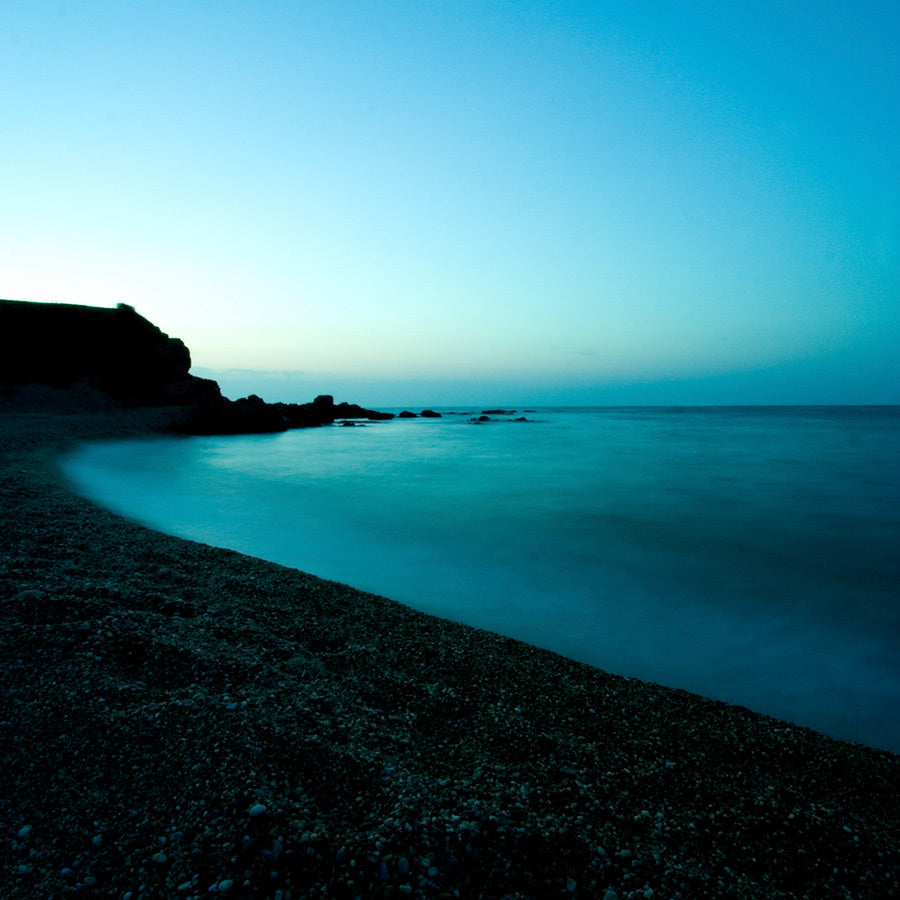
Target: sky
469 202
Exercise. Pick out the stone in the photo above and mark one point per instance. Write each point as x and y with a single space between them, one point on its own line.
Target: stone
257 809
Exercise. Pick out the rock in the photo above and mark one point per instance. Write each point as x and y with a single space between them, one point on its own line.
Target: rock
406 414
324 411
115 351
160 858
431 414
257 809
85 358
353 411
23 832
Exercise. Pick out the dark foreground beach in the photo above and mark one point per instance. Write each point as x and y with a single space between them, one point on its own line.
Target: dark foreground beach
182 721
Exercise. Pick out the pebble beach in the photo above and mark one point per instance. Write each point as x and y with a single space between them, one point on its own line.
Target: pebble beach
178 720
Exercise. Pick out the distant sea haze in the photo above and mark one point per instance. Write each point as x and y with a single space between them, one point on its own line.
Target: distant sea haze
747 554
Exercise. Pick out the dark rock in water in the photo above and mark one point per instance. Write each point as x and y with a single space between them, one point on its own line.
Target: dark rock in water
498 412
406 414
324 411
430 414
482 418
353 411
249 415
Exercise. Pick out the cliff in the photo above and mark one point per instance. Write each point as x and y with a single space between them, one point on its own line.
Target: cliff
115 351
86 356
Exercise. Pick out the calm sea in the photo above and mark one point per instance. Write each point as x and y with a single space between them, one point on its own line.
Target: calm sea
747 554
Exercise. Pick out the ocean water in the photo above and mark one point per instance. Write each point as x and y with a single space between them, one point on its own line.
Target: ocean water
747 554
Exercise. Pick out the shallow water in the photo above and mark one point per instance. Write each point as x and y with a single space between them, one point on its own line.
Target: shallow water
747 554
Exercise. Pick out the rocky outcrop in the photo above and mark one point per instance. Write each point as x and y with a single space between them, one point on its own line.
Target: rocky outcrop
91 357
324 411
115 351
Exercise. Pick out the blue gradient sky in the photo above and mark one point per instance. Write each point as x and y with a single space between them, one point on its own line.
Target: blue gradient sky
460 202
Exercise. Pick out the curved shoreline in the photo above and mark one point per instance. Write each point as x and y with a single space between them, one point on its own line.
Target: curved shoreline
158 693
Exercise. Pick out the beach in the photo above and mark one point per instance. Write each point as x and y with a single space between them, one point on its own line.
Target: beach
180 720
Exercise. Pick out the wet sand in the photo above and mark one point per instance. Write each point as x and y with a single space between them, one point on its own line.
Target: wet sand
183 721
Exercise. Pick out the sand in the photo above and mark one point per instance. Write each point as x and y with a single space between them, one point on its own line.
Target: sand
183 721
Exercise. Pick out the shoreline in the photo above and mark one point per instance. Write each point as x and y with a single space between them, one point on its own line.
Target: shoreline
183 717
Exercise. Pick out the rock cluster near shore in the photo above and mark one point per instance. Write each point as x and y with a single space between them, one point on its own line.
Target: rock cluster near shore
91 358
182 721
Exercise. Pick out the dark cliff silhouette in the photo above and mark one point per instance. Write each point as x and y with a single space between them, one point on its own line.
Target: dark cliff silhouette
117 358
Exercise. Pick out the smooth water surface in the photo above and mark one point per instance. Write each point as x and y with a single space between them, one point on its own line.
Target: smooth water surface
747 554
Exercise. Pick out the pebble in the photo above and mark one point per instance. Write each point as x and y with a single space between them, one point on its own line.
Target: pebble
160 858
256 810
23 832
610 895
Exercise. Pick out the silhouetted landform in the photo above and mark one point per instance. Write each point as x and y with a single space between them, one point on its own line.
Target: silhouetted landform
425 414
107 358
115 351
485 417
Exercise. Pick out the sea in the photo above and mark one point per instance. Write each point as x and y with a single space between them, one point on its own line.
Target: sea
748 554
